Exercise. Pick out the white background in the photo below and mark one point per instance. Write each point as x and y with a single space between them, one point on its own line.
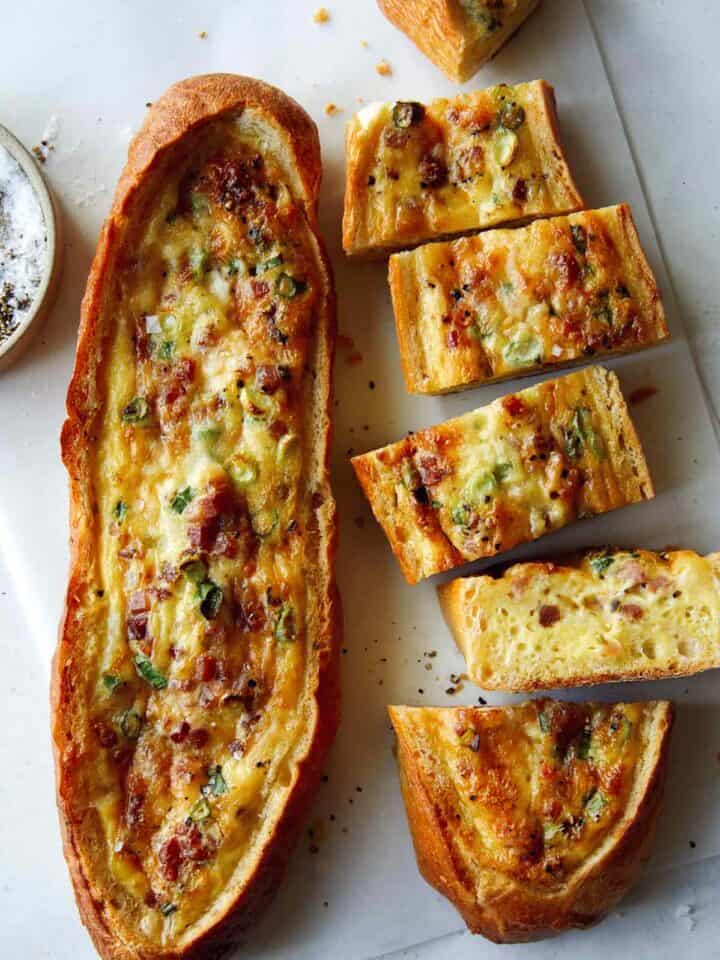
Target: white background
662 62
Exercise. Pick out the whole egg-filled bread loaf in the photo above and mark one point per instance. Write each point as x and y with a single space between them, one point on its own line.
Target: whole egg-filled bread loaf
195 689
417 172
535 818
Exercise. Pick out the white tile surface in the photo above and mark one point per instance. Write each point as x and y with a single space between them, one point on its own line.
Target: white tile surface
661 59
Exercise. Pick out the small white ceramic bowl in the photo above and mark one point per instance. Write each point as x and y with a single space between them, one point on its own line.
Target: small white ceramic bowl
11 348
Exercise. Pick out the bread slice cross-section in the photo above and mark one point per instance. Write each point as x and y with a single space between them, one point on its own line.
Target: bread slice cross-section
534 818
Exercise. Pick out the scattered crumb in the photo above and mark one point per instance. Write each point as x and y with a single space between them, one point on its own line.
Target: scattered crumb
384 69
331 109
47 141
148 104
203 34
321 15
641 394
686 912
371 384
364 43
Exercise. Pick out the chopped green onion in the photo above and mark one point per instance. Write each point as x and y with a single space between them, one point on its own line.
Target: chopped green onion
595 806
111 682
167 908
131 724
407 114
147 671
199 262
181 499
167 349
270 264
511 116
136 411
200 811
195 571
264 522
601 562
120 511
544 722
216 784
288 287
285 624
211 598
243 470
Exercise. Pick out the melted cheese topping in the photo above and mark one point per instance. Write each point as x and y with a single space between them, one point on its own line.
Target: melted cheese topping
525 465
486 19
509 302
530 791
615 615
417 172
198 618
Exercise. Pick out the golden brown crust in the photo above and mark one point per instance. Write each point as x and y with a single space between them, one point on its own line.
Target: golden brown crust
437 287
187 107
507 910
444 33
396 196
626 606
561 468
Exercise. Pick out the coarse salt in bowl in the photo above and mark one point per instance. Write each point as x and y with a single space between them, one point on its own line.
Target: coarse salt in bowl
29 248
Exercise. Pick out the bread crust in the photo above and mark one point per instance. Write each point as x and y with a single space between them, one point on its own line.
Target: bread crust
456 596
364 232
425 536
504 909
432 367
184 108
441 31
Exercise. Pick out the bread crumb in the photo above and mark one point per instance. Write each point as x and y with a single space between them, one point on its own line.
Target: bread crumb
203 34
364 44
331 109
384 69
321 15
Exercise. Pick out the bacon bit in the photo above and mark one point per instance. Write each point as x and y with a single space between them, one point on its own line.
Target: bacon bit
452 339
430 469
139 602
129 551
237 748
105 734
205 667
641 394
658 583
270 377
134 808
321 15
567 269
331 109
433 172
514 405
250 616
397 139
259 288
548 615
203 35
520 191
170 857
235 182
632 610
198 737
168 572
177 736
384 69
137 626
